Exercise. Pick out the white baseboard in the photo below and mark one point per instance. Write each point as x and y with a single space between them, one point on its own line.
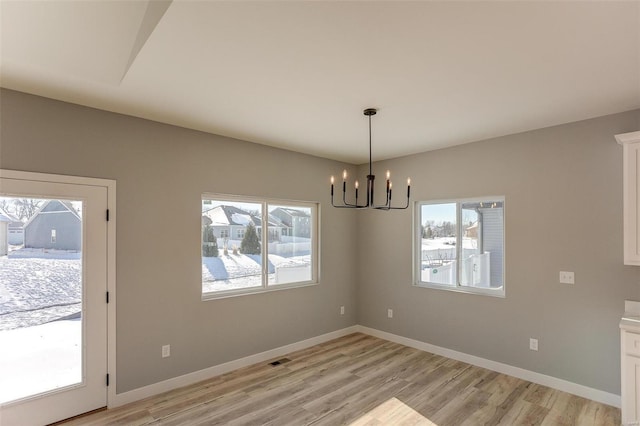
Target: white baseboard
531 376
216 370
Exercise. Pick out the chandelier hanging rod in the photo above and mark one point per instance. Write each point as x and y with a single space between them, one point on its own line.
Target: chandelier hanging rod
370 184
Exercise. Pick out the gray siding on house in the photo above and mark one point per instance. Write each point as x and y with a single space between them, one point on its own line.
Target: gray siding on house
16 235
493 242
296 221
8 227
68 230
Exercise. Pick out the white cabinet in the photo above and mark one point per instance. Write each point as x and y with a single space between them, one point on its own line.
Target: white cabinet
630 362
630 414
630 373
631 184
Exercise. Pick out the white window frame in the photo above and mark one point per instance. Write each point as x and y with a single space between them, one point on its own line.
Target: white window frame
263 233
417 247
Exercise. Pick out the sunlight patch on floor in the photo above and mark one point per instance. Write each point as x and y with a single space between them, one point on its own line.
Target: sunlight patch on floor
393 411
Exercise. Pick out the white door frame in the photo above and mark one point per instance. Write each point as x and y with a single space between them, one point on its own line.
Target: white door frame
110 185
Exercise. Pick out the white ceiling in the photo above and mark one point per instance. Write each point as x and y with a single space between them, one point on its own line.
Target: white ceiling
297 74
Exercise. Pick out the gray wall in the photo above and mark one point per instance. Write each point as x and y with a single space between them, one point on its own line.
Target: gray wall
563 189
563 212
161 172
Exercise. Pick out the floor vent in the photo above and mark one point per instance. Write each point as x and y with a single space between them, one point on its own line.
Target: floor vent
280 361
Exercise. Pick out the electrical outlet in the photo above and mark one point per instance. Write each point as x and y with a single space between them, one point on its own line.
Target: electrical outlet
533 344
389 313
341 310
567 277
166 351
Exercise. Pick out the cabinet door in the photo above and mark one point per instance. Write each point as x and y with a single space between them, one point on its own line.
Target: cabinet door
631 184
631 388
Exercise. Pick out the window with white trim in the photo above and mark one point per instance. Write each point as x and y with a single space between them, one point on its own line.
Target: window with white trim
459 245
267 245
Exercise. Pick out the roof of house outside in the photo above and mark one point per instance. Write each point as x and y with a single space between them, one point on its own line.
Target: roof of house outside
293 212
53 206
225 215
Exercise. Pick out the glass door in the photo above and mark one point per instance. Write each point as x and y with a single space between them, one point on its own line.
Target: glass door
53 312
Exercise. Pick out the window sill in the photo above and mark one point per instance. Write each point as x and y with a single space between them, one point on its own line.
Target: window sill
497 292
256 290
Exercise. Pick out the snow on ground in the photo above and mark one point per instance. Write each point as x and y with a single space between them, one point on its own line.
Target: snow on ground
39 352
39 358
14 320
234 271
439 251
446 243
38 287
18 251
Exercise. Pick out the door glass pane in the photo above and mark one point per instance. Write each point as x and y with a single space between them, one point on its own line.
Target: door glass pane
290 235
231 246
40 296
438 248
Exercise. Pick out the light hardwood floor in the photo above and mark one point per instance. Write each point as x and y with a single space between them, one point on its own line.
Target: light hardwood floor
360 380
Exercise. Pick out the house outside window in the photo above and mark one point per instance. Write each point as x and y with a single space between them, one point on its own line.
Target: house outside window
53 236
258 237
459 245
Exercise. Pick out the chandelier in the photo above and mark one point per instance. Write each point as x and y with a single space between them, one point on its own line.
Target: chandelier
370 181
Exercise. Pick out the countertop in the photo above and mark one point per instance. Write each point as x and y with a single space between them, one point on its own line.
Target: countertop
631 319
630 322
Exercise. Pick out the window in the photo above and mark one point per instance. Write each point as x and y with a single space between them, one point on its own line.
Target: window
262 245
53 236
460 245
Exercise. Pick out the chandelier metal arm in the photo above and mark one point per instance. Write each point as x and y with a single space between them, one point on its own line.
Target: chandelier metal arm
345 203
370 184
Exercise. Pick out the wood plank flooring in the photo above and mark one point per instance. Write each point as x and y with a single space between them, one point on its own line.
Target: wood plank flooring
360 380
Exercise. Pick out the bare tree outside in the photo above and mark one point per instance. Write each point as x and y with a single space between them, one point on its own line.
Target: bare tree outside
21 208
